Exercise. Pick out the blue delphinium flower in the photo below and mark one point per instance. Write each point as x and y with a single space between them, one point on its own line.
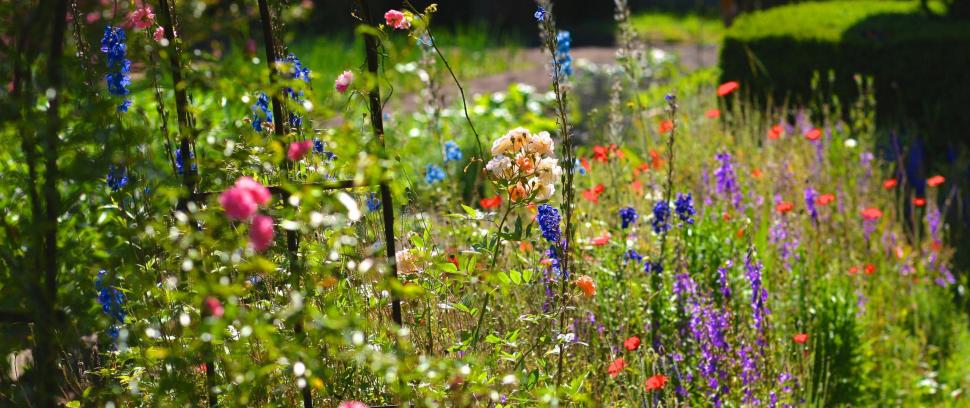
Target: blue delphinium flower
563 60
810 196
452 151
632 255
112 302
179 162
653 267
117 177
540 14
628 216
113 46
549 219
320 147
727 182
301 72
684 207
373 203
433 174
261 112
661 212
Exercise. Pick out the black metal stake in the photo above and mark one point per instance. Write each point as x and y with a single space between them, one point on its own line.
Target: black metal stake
377 124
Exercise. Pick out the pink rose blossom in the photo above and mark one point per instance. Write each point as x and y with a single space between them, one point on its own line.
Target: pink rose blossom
397 20
257 191
92 17
159 34
343 81
298 149
261 232
214 307
352 404
142 18
238 203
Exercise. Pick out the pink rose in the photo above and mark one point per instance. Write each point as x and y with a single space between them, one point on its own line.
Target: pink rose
343 81
142 18
352 404
298 149
257 191
214 307
238 203
159 34
397 20
261 232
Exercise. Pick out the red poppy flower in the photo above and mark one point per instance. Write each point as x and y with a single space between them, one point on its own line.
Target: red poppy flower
889 183
593 194
775 132
919 201
656 382
813 134
784 207
935 181
936 246
616 367
871 214
756 173
713 113
636 186
454 260
491 202
601 240
740 233
825 199
665 126
725 216
583 162
599 188
853 270
525 246
870 268
656 160
642 168
600 154
728 87
800 338
587 285
632 343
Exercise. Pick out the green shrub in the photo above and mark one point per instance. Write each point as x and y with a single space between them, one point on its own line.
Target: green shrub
919 62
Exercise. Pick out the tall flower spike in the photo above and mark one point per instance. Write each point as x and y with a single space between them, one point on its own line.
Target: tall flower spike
549 219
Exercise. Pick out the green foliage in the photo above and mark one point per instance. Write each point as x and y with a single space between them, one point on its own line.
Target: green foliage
669 27
918 62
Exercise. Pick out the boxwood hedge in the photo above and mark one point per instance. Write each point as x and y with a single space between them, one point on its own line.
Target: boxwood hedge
921 64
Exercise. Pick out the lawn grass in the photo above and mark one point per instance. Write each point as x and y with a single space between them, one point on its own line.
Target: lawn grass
678 27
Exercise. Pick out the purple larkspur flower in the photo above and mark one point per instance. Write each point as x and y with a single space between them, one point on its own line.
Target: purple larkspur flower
727 181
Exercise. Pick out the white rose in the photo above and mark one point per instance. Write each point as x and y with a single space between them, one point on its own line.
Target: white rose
499 165
501 145
541 144
519 137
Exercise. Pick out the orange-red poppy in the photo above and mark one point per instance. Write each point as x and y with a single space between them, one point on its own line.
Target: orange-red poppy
593 194
813 134
727 87
713 113
616 367
889 183
756 173
600 154
666 125
632 343
853 270
800 338
525 246
587 285
919 201
601 240
656 382
636 186
583 162
491 202
784 207
870 268
825 199
935 181
871 214
775 132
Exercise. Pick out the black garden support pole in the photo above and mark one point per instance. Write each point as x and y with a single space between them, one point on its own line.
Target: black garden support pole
167 20
377 125
292 237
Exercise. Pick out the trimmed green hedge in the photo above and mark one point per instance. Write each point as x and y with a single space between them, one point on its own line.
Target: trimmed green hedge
921 65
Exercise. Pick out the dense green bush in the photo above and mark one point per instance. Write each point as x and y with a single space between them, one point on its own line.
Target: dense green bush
918 62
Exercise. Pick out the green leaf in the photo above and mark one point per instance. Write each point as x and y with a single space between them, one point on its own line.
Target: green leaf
470 211
516 277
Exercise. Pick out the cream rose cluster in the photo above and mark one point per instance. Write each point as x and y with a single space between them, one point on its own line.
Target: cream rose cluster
524 164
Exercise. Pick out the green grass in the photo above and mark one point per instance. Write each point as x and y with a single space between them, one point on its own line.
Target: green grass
678 28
